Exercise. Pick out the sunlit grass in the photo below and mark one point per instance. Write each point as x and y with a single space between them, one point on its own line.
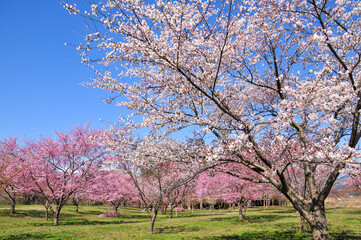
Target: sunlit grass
274 223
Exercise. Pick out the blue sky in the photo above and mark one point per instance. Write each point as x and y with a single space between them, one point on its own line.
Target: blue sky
40 77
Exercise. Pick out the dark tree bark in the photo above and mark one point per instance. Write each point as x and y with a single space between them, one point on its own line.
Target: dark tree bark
152 221
12 198
115 209
12 206
170 211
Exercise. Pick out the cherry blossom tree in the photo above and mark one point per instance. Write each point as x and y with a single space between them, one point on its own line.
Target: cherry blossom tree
202 188
78 197
221 184
58 167
5 169
114 187
156 187
178 183
236 190
11 170
13 191
209 188
261 76
161 169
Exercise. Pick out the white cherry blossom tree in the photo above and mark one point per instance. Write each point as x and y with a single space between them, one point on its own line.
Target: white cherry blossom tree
261 76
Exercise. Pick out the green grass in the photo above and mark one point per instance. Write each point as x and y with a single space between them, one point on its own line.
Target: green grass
274 223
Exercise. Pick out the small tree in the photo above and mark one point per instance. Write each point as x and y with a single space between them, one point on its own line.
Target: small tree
11 170
160 169
113 187
58 167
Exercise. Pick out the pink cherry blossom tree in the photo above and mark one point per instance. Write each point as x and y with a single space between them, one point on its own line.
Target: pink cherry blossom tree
113 187
209 188
206 188
11 170
260 76
78 197
236 190
221 184
58 167
13 190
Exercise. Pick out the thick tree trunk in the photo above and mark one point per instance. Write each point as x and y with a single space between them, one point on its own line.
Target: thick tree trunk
201 205
319 224
56 220
316 219
56 216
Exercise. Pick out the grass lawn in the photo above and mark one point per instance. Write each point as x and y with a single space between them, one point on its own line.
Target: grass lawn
274 223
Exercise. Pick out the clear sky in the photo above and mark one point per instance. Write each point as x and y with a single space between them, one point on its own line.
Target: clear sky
40 77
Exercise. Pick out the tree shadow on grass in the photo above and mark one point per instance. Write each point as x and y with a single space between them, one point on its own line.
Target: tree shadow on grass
87 222
250 219
353 211
281 235
180 215
28 236
346 211
284 211
84 222
176 229
80 222
264 236
94 212
345 235
133 216
264 218
34 214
